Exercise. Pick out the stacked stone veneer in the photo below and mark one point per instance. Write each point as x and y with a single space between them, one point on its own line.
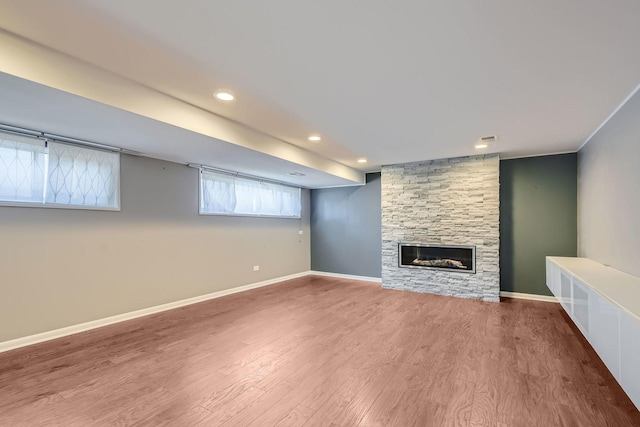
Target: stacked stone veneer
449 202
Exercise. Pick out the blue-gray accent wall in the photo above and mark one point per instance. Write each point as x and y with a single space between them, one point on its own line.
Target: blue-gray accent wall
538 217
346 229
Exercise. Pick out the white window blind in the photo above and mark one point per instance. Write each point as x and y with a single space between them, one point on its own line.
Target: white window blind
22 169
57 174
82 176
232 195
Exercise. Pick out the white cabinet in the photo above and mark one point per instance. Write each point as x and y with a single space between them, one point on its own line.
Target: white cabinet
580 305
604 334
551 277
565 292
630 356
604 303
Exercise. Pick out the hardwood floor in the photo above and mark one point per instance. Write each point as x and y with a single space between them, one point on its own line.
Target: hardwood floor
317 351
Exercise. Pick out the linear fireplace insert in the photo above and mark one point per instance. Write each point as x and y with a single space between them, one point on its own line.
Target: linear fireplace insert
440 257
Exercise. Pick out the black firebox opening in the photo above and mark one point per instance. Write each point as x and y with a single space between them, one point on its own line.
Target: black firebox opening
459 258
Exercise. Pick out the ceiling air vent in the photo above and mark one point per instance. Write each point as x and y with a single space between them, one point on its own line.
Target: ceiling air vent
489 139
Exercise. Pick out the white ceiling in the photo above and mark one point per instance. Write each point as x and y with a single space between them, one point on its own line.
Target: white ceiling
390 81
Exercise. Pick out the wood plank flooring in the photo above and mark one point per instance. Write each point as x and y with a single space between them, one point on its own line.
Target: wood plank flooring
318 351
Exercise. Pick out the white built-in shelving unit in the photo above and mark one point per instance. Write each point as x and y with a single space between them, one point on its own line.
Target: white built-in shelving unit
604 303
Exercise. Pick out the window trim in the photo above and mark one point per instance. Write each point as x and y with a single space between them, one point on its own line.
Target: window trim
60 206
237 175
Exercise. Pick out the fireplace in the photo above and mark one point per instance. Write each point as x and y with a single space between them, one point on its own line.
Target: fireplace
438 257
437 203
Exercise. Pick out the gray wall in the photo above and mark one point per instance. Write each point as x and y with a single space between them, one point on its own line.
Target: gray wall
62 267
538 205
609 192
345 229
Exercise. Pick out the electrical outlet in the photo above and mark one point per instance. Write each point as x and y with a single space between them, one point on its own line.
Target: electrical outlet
300 232
256 267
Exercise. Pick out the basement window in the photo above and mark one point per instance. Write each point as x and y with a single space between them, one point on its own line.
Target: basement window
37 173
226 194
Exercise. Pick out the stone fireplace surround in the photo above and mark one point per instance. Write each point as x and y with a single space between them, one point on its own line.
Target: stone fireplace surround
450 202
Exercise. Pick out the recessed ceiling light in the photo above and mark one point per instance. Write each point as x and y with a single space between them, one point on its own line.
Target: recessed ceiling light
295 174
224 96
362 160
314 138
483 142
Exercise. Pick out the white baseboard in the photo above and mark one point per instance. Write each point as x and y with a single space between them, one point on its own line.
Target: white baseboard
74 329
517 295
531 297
346 276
